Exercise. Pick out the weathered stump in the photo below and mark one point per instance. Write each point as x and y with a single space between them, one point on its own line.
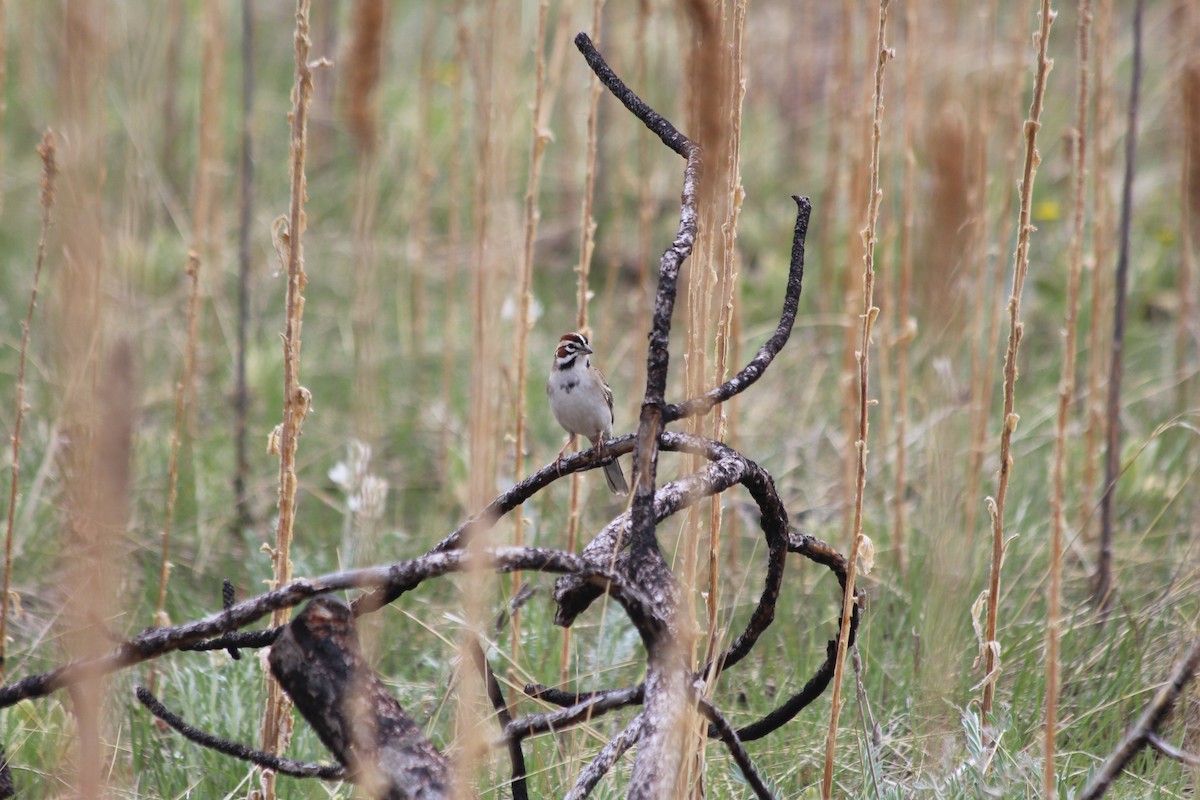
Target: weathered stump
319 663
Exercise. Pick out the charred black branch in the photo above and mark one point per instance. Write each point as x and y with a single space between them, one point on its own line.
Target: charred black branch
766 354
607 756
495 694
284 766
729 736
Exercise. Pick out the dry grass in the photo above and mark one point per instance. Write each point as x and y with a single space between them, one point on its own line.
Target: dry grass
46 151
1066 392
297 402
1009 418
866 322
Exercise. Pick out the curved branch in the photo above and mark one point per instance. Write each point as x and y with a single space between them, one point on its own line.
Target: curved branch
284 766
766 354
728 468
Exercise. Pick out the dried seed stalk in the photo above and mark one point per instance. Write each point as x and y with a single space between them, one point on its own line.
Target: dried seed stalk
296 399
540 137
49 172
1066 390
867 321
1010 418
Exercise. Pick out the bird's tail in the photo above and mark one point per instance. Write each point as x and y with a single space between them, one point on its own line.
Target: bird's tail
615 477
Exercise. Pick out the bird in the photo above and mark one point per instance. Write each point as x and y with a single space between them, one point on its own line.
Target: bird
582 401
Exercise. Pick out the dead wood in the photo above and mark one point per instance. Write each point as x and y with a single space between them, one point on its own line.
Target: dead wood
319 663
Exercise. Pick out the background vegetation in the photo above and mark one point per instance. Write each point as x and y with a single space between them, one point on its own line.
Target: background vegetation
413 253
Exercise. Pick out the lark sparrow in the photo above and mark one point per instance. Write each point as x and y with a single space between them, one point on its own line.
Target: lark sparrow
582 402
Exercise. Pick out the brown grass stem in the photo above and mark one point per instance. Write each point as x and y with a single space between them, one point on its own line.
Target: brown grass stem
539 138
1102 588
241 395
364 65
455 235
1015 330
727 296
3 105
491 65
1099 301
426 175
1189 190
183 395
296 399
207 158
46 150
1066 391
866 323
905 326
587 230
989 306
587 222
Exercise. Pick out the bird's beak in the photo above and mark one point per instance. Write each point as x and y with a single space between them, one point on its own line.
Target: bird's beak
587 349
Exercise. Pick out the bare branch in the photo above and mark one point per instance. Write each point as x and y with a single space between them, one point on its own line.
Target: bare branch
1147 725
607 756
729 736
496 695
766 354
280 764
154 642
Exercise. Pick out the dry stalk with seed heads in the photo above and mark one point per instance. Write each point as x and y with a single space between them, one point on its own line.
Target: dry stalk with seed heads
539 138
866 322
296 399
1066 390
1009 420
49 172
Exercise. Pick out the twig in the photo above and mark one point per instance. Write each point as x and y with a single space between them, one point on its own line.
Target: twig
730 737
866 320
1102 589
183 394
607 756
1171 751
585 708
496 696
227 599
49 171
1147 725
1010 418
280 764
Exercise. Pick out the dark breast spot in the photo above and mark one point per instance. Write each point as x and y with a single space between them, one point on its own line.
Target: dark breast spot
569 385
